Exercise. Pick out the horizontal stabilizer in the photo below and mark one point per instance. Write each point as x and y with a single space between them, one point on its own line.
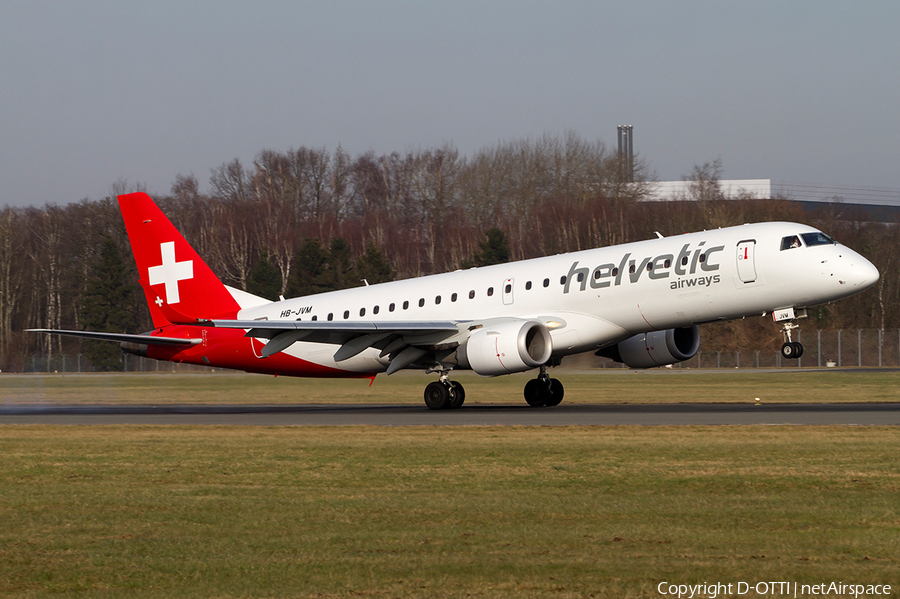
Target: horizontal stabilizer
121 337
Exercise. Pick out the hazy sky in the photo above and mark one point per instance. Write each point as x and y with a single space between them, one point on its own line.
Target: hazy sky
91 92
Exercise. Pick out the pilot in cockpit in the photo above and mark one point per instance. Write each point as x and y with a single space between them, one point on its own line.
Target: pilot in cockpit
790 242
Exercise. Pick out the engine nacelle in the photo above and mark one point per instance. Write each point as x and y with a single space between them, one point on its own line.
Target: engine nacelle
506 347
657 348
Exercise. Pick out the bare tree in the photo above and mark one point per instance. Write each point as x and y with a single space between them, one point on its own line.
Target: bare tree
704 181
278 196
12 236
230 181
231 219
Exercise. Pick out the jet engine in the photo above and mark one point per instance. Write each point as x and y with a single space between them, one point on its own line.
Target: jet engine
656 348
511 346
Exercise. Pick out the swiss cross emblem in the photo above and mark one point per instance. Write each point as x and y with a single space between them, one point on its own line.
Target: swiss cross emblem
170 272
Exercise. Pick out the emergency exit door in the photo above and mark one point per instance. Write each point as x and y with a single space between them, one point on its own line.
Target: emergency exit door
508 292
746 261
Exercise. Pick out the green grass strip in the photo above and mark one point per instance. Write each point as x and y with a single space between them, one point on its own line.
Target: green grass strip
609 386
441 512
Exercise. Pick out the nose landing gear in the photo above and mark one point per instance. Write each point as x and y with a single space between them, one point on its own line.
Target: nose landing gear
790 349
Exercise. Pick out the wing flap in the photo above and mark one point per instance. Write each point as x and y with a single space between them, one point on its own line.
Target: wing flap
357 345
405 358
281 342
391 337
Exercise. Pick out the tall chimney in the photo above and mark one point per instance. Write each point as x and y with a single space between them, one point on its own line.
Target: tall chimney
626 150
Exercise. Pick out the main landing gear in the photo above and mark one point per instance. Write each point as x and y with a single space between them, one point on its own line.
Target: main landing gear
791 349
543 391
444 394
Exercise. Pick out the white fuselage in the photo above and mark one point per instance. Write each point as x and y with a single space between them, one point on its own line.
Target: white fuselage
593 298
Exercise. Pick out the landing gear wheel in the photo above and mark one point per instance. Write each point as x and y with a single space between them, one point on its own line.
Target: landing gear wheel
556 393
542 392
792 350
437 396
534 393
457 395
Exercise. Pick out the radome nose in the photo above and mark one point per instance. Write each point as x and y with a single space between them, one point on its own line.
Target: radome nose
866 273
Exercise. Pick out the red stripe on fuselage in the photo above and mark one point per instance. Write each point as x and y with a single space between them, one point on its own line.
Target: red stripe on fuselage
229 348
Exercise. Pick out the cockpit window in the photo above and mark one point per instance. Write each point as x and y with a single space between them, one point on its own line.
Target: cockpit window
790 242
818 239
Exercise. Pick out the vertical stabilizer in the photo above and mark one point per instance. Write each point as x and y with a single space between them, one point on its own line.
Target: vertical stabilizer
178 284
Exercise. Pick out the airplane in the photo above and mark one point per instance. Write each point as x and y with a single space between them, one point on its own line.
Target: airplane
637 303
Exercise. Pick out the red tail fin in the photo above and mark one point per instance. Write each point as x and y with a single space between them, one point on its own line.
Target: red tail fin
179 286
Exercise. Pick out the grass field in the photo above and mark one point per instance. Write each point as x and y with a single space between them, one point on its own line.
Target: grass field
442 512
610 386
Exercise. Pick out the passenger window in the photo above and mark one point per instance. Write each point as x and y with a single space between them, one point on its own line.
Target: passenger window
546 282
472 294
527 285
406 305
362 311
490 291
453 298
315 318
331 316
375 310
391 307
437 300
346 314
421 301
790 242
562 280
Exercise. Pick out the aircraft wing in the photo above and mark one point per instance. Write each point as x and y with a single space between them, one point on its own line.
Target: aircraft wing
404 341
145 339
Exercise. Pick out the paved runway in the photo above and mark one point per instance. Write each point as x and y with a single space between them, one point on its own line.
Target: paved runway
489 415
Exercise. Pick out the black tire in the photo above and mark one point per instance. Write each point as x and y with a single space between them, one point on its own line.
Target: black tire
457 396
799 349
535 393
556 393
789 351
437 396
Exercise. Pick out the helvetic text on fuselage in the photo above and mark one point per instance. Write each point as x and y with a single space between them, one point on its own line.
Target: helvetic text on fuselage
656 267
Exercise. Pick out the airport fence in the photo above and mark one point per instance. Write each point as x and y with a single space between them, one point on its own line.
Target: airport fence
823 348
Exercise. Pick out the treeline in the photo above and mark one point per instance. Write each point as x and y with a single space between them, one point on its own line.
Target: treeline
310 220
